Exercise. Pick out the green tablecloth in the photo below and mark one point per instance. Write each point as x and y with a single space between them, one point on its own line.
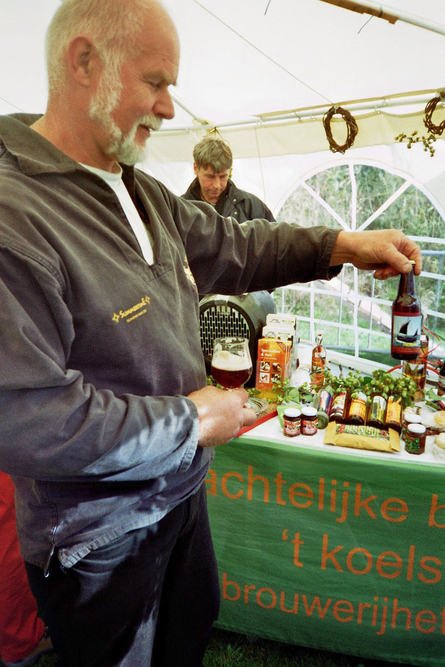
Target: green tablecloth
330 549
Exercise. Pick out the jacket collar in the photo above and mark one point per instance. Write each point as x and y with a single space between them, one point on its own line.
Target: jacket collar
231 191
35 154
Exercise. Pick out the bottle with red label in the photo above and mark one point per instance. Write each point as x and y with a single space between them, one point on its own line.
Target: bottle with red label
406 319
339 407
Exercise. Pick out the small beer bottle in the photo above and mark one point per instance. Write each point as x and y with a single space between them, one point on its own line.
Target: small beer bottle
339 407
393 417
318 361
324 400
406 319
376 411
357 408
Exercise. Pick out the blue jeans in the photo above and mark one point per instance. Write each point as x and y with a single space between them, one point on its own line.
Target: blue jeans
147 598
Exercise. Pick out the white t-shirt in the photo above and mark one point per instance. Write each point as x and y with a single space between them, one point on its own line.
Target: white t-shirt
116 183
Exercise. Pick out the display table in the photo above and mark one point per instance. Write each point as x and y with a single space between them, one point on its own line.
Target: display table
333 548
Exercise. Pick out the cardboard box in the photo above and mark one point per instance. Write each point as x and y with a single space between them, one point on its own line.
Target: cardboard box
281 318
273 363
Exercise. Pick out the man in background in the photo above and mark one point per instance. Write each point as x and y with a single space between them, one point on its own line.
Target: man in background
213 166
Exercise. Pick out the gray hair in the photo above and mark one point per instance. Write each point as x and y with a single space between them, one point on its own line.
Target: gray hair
112 25
213 153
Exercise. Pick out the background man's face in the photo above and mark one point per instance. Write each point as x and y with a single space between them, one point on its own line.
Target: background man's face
212 184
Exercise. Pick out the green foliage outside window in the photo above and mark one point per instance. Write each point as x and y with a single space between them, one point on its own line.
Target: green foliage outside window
355 197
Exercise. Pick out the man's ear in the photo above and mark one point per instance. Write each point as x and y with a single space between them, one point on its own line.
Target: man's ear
82 60
195 168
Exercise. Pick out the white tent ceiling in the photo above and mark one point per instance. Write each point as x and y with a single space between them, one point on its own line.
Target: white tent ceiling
242 58
245 60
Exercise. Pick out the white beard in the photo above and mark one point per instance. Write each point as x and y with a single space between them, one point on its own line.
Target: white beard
122 147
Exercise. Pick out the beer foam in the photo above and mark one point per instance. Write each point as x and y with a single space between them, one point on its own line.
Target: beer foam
227 361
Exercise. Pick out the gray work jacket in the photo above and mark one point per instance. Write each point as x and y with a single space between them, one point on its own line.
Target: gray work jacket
99 350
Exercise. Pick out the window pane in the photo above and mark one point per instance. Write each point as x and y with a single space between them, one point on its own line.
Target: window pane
303 209
374 187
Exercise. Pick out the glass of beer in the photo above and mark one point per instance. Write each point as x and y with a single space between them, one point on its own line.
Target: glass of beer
231 362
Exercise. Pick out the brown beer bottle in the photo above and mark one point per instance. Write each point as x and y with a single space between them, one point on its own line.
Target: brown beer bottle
357 409
406 319
339 407
393 417
376 410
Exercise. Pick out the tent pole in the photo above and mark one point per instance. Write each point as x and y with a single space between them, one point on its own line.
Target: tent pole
199 121
388 13
374 104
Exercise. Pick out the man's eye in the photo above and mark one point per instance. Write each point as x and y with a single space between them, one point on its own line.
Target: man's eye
153 84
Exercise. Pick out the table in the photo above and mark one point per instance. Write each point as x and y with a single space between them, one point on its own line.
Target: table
333 548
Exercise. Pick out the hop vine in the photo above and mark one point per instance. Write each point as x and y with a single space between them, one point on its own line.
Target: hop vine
414 138
380 382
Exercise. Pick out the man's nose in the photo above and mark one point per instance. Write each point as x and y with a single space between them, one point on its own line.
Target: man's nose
164 105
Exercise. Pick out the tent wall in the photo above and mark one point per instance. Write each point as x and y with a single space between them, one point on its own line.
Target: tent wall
273 178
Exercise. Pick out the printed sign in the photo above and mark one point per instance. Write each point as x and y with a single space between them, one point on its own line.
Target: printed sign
331 551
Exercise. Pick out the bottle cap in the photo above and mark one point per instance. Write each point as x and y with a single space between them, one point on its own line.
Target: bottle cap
291 412
411 418
309 411
416 429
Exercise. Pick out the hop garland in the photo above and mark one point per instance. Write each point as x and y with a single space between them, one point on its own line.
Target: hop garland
380 381
434 130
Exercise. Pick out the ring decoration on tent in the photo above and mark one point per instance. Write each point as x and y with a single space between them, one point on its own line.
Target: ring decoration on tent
351 126
429 110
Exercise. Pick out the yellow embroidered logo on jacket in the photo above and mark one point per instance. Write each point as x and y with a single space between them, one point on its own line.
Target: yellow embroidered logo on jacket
133 312
188 272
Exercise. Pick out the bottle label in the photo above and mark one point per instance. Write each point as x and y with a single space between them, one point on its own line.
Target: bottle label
318 362
291 427
406 330
358 406
325 401
309 425
412 444
394 410
339 404
377 409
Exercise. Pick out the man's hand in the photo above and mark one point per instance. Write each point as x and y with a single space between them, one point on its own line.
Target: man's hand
221 414
385 251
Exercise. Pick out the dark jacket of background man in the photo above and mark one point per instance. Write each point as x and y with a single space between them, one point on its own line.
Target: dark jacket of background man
234 203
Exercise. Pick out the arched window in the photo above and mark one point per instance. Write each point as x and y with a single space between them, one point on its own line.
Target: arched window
354 311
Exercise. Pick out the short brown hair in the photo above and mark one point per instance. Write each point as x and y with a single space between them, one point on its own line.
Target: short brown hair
213 153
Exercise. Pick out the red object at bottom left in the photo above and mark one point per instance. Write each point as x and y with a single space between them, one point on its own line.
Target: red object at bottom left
21 629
